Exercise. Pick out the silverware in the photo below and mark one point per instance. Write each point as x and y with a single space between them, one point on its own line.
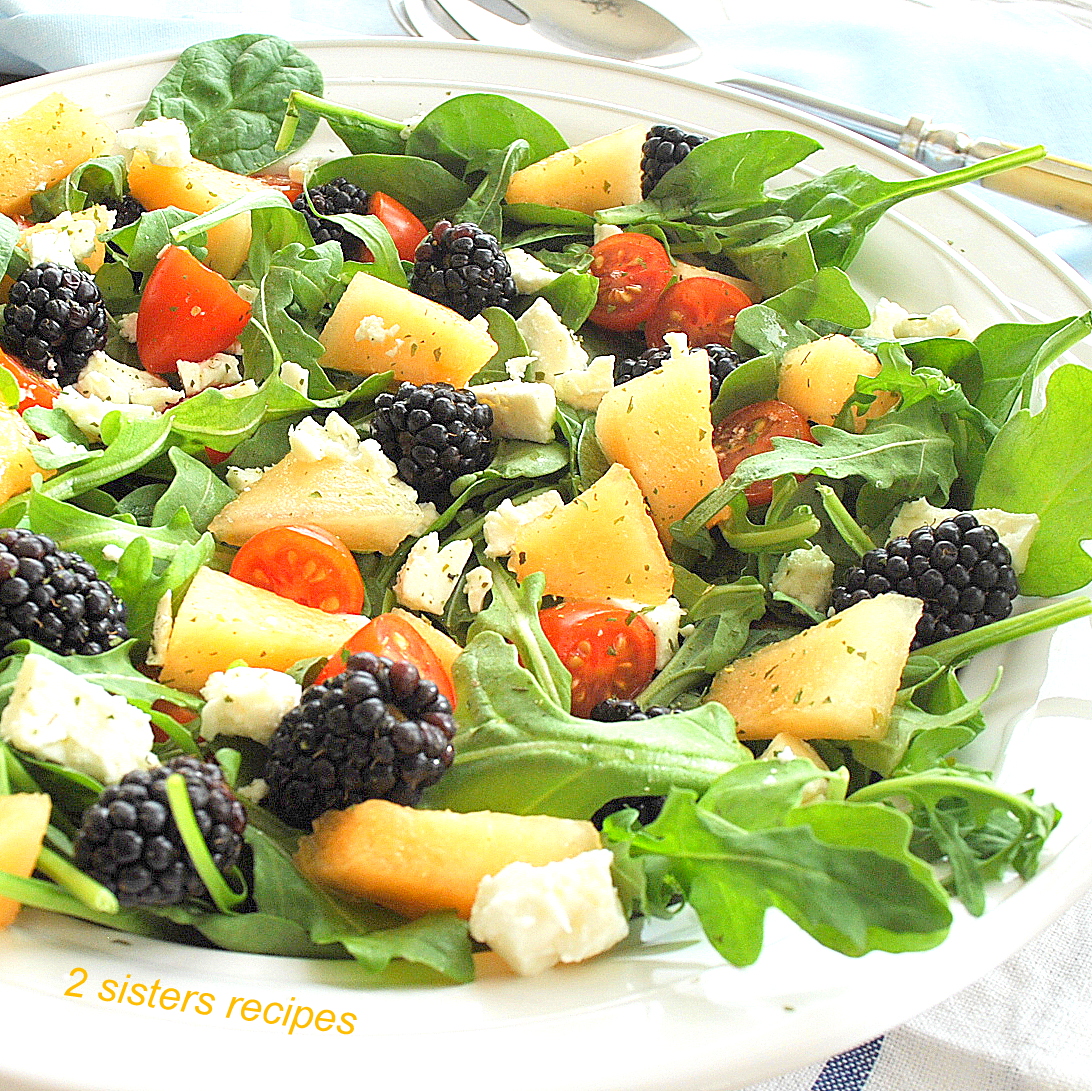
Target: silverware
630 30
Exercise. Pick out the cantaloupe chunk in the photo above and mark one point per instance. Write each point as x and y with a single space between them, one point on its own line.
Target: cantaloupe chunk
818 378
658 426
44 145
377 326
23 821
17 465
601 173
199 187
836 680
415 861
602 544
446 649
222 620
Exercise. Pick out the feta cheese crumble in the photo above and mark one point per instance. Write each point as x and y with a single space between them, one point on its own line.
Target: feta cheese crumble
520 410
295 377
240 478
536 917
162 625
59 716
892 321
806 575
479 582
663 620
127 325
586 387
220 369
501 525
554 346
528 272
164 140
428 577
112 381
248 702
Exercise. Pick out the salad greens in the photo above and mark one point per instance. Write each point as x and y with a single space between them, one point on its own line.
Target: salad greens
862 857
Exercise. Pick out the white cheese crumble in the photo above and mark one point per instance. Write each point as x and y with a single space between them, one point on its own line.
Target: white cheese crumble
428 577
536 917
520 410
164 140
58 716
528 272
127 325
112 381
663 620
220 369
373 329
478 584
806 575
1015 530
585 388
501 525
47 245
240 478
247 701
162 624
555 347
604 231
335 438
519 366
58 445
239 390
890 320
255 791
88 412
295 377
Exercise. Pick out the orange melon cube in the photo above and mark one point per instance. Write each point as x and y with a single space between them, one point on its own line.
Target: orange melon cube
602 544
17 465
23 822
416 861
658 426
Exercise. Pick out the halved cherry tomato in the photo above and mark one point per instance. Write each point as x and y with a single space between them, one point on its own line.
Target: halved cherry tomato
215 457
609 651
406 230
304 563
34 389
187 312
751 431
633 271
395 638
288 186
703 308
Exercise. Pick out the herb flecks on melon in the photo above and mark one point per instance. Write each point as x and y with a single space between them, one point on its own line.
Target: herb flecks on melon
658 426
415 861
602 544
377 327
836 680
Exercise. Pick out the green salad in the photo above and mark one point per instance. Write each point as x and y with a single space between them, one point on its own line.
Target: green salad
862 839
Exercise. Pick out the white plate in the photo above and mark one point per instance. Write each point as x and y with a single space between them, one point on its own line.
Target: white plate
648 1017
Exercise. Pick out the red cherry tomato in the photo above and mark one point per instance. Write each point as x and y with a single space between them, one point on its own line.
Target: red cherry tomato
304 563
215 456
406 230
751 431
633 271
395 638
187 312
290 188
609 651
34 389
703 308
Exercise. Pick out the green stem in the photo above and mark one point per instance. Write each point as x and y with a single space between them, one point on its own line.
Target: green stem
178 796
39 894
14 774
775 539
320 106
69 877
847 527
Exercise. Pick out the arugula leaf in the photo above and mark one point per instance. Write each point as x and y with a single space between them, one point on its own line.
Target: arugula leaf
142 242
518 750
194 489
1042 464
483 206
89 183
231 95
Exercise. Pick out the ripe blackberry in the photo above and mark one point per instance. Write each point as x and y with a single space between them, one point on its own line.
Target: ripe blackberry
127 210
959 568
376 731
332 199
433 434
722 362
54 320
464 268
130 843
55 598
663 148
615 710
647 807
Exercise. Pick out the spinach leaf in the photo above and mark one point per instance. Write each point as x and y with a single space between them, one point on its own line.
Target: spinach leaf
9 255
461 130
510 345
573 296
422 186
231 94
142 242
361 132
90 182
483 206
1042 464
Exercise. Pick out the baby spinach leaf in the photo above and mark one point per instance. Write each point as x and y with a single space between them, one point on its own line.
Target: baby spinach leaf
142 242
362 133
462 129
572 296
483 206
509 342
1042 464
231 94
9 256
89 183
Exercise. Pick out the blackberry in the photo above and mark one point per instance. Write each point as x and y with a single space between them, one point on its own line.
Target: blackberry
332 199
433 434
664 147
647 807
615 710
464 268
127 210
129 841
55 598
54 320
722 362
378 730
959 568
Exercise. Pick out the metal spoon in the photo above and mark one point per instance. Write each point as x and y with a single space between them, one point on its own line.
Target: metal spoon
631 30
